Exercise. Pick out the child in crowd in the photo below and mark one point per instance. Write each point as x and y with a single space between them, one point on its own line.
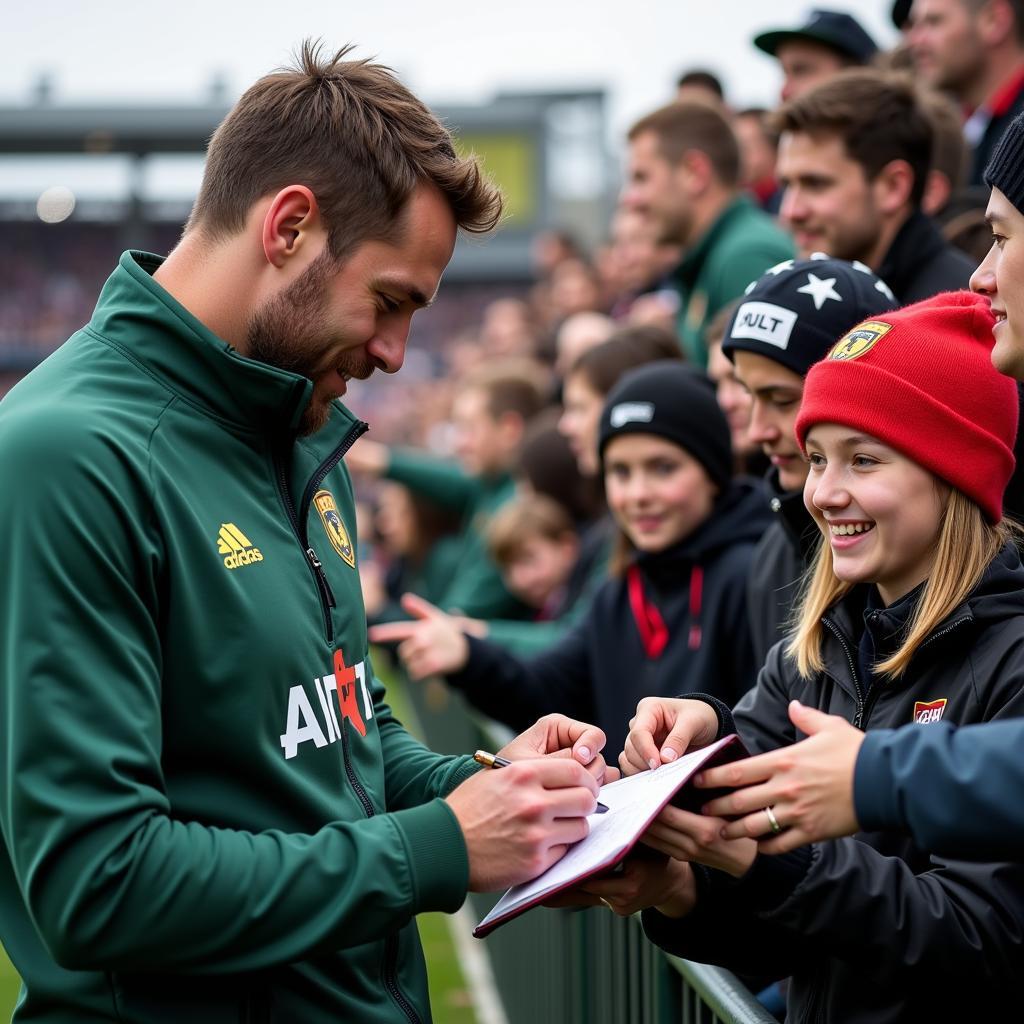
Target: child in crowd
534 544
913 611
671 618
491 411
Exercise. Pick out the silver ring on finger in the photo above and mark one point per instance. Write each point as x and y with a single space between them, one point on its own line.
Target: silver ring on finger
773 822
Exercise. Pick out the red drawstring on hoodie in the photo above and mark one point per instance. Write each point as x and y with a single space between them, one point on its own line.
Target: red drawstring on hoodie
653 632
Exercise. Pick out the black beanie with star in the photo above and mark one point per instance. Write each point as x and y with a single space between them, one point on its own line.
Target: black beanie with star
795 312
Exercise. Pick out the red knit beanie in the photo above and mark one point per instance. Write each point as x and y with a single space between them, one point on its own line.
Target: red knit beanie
921 380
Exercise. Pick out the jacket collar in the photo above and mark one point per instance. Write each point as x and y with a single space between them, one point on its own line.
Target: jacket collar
151 328
917 241
790 510
696 256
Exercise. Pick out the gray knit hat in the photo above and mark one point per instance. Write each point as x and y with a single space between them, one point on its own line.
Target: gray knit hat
1005 170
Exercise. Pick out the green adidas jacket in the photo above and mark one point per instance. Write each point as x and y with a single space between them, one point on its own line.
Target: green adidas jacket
209 813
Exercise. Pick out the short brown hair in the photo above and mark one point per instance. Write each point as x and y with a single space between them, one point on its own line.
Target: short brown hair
629 347
681 127
950 154
350 132
510 385
877 116
515 523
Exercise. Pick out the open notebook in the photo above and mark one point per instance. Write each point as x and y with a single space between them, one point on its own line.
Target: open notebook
633 803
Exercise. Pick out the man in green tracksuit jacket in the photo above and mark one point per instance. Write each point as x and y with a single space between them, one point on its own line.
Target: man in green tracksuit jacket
208 811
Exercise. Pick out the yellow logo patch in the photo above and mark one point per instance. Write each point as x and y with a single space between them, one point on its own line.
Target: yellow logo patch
860 340
336 532
237 549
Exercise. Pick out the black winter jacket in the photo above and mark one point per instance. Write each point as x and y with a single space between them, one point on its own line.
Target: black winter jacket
872 928
779 561
920 263
599 670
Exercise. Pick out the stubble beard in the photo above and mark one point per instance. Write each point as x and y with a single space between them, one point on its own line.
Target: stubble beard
291 332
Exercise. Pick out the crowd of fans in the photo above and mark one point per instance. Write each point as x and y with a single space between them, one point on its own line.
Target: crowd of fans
745 243
590 492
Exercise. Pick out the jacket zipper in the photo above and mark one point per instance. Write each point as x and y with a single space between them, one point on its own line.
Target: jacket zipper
391 982
864 706
299 528
327 602
858 718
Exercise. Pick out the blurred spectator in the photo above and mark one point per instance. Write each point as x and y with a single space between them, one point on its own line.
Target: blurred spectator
854 156
574 287
594 374
733 398
638 265
578 333
973 49
700 86
507 329
958 209
551 247
533 542
416 550
758 146
828 42
490 412
684 167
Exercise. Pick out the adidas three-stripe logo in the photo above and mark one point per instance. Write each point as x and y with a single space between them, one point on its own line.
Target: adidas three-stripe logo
236 547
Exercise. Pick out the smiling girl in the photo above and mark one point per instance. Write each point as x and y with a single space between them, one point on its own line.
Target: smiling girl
671 619
913 612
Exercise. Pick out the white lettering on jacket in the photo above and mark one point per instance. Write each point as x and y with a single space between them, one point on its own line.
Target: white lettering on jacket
304 725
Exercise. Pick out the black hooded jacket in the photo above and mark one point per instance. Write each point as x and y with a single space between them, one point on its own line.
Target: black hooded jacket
920 263
872 928
780 558
600 668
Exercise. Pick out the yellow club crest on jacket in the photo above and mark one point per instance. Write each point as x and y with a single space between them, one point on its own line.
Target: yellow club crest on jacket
336 532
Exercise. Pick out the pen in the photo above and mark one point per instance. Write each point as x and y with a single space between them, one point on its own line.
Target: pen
493 761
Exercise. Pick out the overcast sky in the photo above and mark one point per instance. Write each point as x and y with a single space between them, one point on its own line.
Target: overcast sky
453 50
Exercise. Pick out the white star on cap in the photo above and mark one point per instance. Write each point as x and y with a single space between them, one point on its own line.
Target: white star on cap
780 267
881 286
820 289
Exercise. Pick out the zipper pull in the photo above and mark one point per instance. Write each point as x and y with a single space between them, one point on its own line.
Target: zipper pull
321 576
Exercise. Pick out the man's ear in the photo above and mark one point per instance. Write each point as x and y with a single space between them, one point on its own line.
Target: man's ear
893 186
291 226
698 171
996 22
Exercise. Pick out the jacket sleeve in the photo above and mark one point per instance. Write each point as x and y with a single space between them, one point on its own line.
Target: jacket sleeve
957 791
852 900
438 479
109 876
518 692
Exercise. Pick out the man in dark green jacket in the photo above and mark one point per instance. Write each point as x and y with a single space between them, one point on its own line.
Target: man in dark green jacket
208 811
683 176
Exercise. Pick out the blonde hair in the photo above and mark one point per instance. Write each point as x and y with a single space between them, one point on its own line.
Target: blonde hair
966 545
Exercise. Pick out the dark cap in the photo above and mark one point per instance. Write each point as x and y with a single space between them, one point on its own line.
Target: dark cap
834 29
901 13
676 402
795 312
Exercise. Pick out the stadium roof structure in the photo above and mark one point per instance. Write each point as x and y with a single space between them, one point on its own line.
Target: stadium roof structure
520 137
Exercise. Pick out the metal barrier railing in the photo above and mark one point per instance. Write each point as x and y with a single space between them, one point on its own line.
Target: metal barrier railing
588 966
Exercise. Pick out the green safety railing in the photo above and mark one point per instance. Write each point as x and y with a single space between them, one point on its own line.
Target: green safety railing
587 966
